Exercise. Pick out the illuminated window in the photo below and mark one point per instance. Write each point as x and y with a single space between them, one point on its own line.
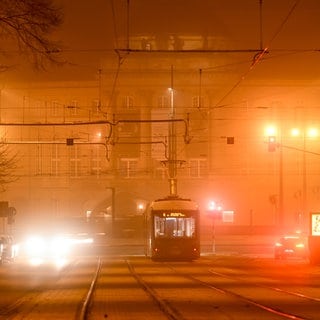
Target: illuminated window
174 227
315 224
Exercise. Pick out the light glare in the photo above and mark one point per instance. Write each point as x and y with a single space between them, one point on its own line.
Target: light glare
271 131
295 132
312 132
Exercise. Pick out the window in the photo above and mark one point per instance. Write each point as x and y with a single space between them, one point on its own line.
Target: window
39 160
55 106
128 102
55 160
197 102
174 227
163 102
74 161
72 108
128 168
161 173
197 168
95 162
95 106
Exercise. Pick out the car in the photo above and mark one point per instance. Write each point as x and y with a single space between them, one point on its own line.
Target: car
8 249
295 245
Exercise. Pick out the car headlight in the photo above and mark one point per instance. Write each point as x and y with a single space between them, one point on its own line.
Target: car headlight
60 245
35 246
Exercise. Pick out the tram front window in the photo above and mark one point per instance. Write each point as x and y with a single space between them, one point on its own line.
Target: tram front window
174 227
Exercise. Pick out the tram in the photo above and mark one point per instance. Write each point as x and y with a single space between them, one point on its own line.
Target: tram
172 229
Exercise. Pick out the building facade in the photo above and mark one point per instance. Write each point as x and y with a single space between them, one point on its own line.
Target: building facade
101 146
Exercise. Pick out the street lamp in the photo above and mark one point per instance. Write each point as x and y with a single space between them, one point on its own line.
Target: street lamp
141 208
271 130
274 140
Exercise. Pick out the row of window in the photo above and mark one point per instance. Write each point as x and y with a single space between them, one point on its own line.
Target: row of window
76 165
74 108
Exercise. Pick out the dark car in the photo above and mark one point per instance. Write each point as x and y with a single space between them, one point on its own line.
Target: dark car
291 246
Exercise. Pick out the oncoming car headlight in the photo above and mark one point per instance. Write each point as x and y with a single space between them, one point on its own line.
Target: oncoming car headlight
52 250
60 246
35 246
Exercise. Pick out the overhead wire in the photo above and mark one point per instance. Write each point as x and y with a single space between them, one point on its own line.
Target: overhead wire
114 24
258 57
120 58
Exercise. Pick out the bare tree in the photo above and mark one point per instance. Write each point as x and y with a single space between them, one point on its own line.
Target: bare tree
25 27
28 24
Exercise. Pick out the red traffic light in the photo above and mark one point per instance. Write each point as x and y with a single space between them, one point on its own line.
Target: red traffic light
272 143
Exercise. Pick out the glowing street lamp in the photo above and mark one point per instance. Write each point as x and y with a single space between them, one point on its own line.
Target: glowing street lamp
141 207
310 132
271 131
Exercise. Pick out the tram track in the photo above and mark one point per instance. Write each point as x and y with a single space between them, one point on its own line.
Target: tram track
135 288
245 298
105 275
156 279
276 289
89 296
166 308
261 279
254 287
169 306
34 301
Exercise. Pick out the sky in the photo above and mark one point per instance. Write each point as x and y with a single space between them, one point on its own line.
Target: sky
93 29
289 24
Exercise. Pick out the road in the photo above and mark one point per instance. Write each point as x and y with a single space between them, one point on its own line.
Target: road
220 286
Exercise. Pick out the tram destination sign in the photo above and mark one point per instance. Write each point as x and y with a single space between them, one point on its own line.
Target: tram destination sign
173 214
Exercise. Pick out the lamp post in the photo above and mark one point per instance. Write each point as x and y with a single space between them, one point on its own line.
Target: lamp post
306 133
113 212
215 212
274 137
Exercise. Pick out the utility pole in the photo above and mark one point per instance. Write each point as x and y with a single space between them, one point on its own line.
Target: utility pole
172 144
